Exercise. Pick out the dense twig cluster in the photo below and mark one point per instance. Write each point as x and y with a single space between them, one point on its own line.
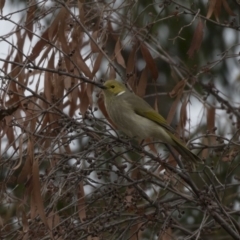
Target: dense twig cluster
65 172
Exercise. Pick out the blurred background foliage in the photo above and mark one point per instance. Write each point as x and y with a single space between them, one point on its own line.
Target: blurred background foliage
64 173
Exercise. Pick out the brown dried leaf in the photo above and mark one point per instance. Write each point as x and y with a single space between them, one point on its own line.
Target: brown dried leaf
101 106
173 109
25 222
84 100
77 36
59 90
33 208
82 65
45 142
211 113
97 64
135 233
67 83
227 8
54 85
132 83
19 56
149 61
81 203
48 86
211 7
94 47
66 64
4 128
81 10
53 28
64 44
30 19
118 55
130 70
26 236
20 74
53 220
1 222
74 98
56 220
10 134
20 153
183 114
44 55
50 218
89 91
205 151
197 39
166 235
171 159
5 64
2 3
156 104
141 88
13 88
29 116
39 45
27 168
49 34
177 89
51 61
36 192
217 9
131 61
112 73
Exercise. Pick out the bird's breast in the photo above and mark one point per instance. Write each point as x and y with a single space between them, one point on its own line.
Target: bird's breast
134 125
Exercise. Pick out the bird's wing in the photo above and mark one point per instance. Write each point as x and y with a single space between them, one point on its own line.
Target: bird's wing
142 108
157 118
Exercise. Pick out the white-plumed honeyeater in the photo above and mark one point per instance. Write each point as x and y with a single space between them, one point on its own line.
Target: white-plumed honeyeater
136 118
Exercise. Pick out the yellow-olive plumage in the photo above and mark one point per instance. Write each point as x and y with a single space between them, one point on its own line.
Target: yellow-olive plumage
136 118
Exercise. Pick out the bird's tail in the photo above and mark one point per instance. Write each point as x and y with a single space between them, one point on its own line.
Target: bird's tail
185 152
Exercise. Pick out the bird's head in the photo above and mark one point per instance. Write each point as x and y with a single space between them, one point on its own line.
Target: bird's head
112 88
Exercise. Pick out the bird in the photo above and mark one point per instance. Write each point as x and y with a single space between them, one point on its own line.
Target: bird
136 118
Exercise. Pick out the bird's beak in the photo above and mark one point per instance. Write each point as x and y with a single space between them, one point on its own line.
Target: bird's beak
101 86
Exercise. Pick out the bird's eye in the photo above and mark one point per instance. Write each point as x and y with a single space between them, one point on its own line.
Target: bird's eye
112 86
